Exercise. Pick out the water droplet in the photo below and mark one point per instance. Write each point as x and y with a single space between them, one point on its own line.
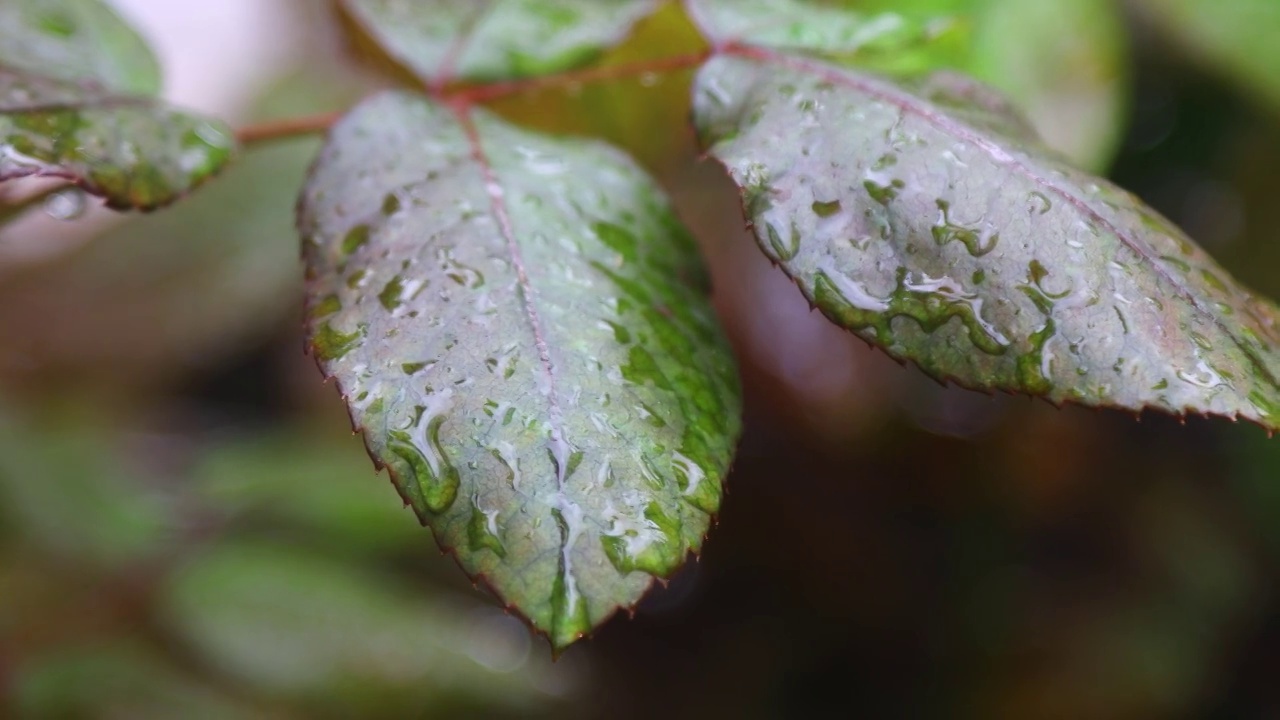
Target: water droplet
482 530
68 204
505 452
978 242
569 618
435 478
784 250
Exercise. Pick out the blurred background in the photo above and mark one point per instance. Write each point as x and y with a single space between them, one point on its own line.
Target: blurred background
189 529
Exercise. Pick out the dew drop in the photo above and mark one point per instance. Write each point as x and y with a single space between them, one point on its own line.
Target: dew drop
66 205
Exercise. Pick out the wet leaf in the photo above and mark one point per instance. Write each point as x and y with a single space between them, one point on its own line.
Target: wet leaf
444 40
76 88
1062 61
931 222
1238 38
165 293
518 324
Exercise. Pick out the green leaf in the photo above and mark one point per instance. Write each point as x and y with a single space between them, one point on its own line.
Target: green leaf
67 488
117 678
1062 61
446 40
1237 37
819 27
75 103
307 481
931 222
1065 62
287 621
79 41
519 325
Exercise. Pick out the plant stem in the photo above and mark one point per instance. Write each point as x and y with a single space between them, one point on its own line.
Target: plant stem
493 91
290 127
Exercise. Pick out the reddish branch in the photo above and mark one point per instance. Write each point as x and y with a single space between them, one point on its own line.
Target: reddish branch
468 95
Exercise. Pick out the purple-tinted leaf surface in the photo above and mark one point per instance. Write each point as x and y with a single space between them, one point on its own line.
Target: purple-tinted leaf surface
519 325
929 220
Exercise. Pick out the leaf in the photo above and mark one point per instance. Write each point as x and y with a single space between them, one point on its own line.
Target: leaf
824 28
117 678
75 103
165 293
930 222
1063 61
444 40
1238 38
291 622
68 489
79 41
306 481
511 319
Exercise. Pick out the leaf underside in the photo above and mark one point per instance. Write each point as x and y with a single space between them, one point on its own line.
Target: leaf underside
519 325
487 40
929 220
76 88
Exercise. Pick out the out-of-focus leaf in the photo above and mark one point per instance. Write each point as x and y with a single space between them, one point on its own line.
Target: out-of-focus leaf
162 293
75 103
817 26
1237 37
80 41
1062 61
289 622
636 112
120 680
1065 63
516 324
310 482
64 486
931 222
444 40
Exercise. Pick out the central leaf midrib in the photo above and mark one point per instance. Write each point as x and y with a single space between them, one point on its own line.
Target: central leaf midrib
910 104
559 444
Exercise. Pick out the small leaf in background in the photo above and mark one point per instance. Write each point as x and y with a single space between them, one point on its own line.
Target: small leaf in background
1238 38
79 41
930 222
294 623
519 326
118 679
1062 61
445 40
76 87
1065 63
824 28
306 480
66 487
